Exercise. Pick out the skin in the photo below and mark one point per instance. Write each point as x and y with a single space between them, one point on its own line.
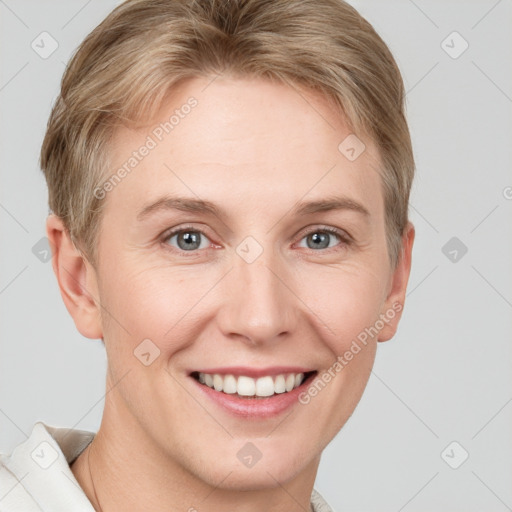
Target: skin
254 149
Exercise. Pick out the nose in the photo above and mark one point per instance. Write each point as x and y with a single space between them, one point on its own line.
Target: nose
260 304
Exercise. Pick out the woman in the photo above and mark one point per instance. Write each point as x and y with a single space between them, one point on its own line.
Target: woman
229 186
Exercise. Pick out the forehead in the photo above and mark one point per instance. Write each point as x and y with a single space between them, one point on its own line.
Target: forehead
245 142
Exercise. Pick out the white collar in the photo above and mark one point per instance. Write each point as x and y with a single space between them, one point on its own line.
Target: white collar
37 475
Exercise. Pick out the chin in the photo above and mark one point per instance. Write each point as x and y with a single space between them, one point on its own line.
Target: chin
245 479
273 469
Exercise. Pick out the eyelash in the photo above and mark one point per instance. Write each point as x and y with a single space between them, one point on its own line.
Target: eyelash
345 239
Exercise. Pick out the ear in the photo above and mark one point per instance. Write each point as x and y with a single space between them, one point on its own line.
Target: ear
394 304
76 278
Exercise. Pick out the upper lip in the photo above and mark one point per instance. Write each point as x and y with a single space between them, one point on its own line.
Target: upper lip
254 372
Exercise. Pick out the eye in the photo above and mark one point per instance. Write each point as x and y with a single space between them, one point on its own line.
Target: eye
187 239
322 238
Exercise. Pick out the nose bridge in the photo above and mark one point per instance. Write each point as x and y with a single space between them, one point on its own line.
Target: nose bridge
260 307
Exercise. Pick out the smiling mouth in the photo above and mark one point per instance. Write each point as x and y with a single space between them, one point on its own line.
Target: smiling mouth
248 387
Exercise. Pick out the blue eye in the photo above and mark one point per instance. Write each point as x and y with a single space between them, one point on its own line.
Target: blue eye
322 238
190 239
187 239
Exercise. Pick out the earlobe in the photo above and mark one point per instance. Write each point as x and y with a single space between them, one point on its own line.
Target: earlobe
395 300
76 279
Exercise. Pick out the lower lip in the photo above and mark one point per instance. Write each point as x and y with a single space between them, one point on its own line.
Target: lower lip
268 407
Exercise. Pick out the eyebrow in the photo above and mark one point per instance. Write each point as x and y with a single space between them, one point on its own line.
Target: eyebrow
328 204
184 204
190 205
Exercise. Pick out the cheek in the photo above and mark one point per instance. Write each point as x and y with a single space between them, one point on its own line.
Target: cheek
160 303
346 301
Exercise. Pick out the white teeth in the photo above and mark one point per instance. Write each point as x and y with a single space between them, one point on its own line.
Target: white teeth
229 385
279 384
265 386
218 382
247 386
290 382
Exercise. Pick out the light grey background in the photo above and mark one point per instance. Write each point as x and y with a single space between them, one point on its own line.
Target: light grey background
446 376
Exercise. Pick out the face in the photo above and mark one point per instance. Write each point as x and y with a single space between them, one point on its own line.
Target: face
242 250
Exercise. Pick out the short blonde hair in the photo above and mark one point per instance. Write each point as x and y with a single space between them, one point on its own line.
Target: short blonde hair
128 64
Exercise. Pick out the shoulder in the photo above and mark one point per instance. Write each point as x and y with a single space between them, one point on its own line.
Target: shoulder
36 475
